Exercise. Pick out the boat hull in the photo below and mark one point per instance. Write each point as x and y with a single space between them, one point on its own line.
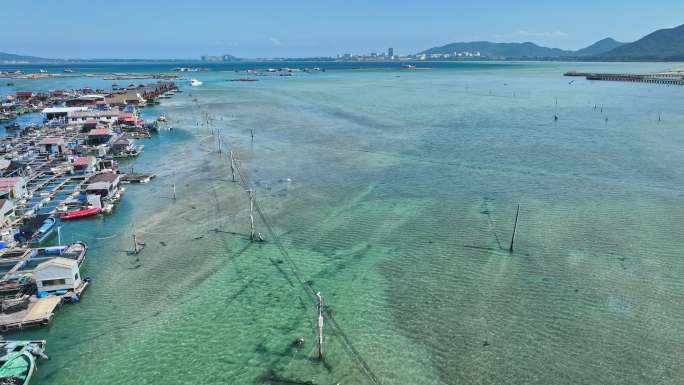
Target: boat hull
80 214
45 231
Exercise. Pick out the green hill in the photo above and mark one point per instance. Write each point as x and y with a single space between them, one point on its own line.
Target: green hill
599 47
12 58
500 50
661 45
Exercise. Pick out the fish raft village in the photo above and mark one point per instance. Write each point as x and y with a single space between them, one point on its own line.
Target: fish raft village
63 169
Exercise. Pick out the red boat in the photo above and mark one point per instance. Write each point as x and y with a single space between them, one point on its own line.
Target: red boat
80 213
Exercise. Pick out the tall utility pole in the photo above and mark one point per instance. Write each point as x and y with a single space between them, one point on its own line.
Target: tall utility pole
319 339
252 233
135 244
232 164
59 237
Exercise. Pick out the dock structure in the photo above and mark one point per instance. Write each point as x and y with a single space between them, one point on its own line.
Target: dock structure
63 169
39 312
658 78
137 178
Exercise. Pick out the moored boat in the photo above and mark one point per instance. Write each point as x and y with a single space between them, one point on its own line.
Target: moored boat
18 360
13 127
195 82
75 251
80 213
44 231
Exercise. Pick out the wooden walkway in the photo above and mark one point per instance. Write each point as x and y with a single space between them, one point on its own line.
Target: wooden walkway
635 78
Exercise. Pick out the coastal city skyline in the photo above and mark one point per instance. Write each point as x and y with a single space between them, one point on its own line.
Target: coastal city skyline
181 30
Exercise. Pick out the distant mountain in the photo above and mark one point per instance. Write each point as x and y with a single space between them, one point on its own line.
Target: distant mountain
601 46
8 58
501 50
661 45
12 58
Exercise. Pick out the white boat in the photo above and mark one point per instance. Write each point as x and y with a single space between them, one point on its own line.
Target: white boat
195 82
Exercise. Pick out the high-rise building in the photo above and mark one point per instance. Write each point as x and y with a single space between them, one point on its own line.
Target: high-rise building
390 52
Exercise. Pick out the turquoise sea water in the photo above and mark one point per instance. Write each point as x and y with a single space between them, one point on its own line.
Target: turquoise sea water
393 193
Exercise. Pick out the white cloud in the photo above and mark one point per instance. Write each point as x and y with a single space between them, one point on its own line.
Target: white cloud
276 42
548 35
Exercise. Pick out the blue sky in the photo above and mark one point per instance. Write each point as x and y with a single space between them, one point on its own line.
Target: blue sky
266 28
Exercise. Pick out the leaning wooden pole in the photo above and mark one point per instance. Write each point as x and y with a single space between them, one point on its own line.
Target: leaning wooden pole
319 340
232 164
515 226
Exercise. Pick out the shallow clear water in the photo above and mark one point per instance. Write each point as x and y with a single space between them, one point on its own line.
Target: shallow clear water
394 194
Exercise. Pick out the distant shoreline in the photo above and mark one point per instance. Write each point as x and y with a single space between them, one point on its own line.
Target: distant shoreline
57 62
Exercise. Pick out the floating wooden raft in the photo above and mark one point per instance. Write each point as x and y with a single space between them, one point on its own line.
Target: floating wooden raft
39 312
137 178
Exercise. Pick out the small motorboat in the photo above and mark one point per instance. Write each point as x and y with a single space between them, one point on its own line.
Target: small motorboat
80 213
13 127
44 231
18 360
76 251
195 82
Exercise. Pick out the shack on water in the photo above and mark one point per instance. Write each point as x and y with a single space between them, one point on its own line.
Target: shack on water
99 136
104 184
52 146
14 186
57 274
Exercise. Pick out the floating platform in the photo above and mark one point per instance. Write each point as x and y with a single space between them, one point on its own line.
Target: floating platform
137 178
39 313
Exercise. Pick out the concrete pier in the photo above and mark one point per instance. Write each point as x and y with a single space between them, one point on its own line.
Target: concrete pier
661 78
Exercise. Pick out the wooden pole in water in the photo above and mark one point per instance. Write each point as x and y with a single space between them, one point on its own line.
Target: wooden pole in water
251 132
135 244
173 187
515 226
252 234
319 306
232 164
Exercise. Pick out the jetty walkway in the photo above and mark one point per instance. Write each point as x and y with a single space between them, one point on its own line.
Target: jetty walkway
659 78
